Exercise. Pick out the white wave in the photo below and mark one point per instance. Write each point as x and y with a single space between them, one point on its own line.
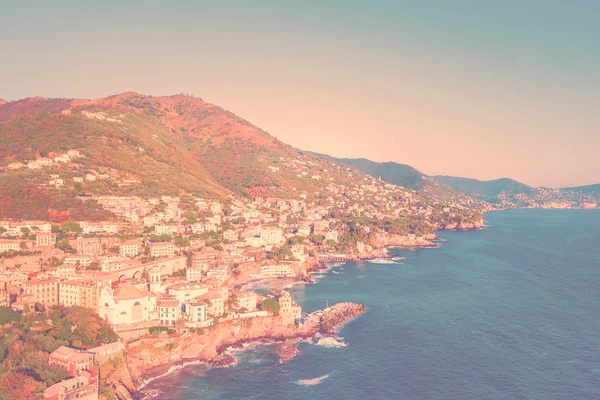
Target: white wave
171 369
293 284
330 341
382 261
314 381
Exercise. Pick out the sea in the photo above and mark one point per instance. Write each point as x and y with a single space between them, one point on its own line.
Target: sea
508 312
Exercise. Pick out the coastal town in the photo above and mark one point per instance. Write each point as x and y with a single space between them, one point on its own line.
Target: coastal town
161 230
177 265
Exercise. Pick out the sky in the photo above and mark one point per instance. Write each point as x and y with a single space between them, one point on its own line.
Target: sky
482 89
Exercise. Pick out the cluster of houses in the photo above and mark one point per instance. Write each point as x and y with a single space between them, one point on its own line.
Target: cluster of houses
180 262
41 162
212 245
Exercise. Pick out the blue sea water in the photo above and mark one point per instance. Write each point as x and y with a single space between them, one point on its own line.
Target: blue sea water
510 312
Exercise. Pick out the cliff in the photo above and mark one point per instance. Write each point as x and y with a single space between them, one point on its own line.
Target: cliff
464 226
154 356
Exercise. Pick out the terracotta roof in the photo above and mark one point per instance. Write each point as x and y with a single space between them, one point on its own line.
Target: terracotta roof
128 292
70 354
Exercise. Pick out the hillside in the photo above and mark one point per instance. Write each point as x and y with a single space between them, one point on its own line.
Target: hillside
588 189
485 190
405 176
394 173
508 193
55 150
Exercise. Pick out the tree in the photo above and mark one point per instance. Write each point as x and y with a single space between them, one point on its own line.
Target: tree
7 315
181 242
95 266
70 227
232 300
270 305
18 386
64 246
190 218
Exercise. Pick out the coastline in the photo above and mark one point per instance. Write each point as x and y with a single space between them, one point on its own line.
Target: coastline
320 323
221 355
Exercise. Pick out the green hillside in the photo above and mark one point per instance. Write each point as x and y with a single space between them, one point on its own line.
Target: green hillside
485 190
394 173
132 144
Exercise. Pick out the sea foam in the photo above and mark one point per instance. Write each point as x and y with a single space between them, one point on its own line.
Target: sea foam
314 381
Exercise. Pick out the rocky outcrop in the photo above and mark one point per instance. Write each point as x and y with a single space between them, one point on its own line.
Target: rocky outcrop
287 351
389 240
464 226
334 317
154 356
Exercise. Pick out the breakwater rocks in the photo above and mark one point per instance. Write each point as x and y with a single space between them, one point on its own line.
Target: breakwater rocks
331 319
287 351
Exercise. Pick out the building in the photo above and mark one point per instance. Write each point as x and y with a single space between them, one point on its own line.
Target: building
45 240
169 310
110 228
165 229
44 291
193 274
332 235
14 228
196 313
111 264
215 302
127 305
271 235
288 308
230 235
4 297
71 360
10 245
215 208
88 246
83 261
82 293
187 291
107 351
246 301
205 258
277 271
154 280
162 249
130 249
64 271
81 387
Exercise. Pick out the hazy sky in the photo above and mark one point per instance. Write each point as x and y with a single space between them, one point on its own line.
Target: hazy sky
482 89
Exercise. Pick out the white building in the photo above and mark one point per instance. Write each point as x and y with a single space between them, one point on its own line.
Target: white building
277 271
127 305
162 249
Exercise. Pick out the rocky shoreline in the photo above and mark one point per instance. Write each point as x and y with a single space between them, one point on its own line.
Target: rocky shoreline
214 349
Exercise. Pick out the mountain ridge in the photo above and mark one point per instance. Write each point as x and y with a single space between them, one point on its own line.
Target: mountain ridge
501 192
